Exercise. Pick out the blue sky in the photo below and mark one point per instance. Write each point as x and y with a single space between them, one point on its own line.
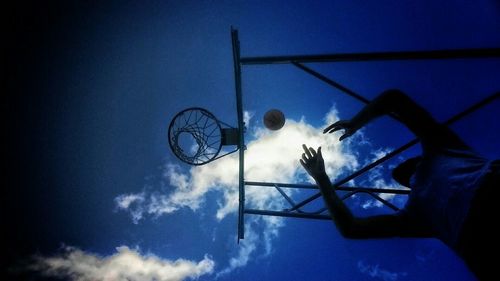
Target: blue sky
93 87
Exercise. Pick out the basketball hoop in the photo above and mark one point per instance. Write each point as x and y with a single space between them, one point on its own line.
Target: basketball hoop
196 136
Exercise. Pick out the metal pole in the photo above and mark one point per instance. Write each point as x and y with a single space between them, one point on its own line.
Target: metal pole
473 108
287 214
340 188
241 129
331 82
287 185
376 56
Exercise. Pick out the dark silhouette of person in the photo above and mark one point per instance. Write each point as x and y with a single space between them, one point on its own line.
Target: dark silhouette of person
453 190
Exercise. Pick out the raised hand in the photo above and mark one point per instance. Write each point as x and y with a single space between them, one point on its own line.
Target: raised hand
347 125
313 161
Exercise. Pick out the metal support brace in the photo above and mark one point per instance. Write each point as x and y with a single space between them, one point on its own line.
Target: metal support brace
297 61
298 213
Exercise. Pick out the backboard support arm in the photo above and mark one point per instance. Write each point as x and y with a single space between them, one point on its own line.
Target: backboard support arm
295 210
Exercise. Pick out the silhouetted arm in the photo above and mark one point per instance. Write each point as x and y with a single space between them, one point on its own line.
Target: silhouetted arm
408 112
349 225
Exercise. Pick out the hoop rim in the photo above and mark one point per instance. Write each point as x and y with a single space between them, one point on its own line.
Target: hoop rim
209 115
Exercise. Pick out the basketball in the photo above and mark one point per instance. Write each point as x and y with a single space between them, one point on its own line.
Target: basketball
274 119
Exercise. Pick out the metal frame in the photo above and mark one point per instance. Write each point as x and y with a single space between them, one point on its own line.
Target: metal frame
295 209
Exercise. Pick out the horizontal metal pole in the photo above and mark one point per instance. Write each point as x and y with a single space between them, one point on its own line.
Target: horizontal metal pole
287 185
287 214
376 56
374 190
341 188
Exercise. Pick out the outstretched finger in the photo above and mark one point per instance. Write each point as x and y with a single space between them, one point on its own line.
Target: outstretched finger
334 127
308 153
328 128
304 158
344 136
313 152
303 163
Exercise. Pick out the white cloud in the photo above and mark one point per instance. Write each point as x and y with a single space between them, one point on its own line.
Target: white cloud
124 201
247 116
271 156
126 264
376 272
132 203
246 248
